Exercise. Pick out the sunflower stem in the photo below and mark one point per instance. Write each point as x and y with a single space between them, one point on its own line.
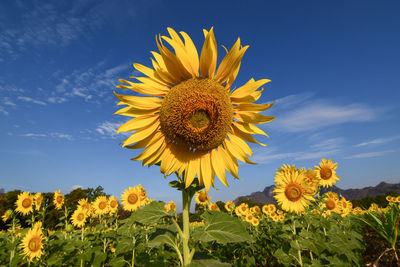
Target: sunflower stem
186 235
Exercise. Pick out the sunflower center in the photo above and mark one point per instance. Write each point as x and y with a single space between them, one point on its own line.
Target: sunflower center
59 199
113 204
197 113
26 203
34 244
81 216
202 197
330 205
102 205
326 173
293 192
132 199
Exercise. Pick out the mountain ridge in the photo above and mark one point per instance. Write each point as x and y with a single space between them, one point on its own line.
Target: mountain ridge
266 196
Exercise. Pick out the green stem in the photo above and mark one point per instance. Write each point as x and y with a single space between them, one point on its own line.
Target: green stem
12 240
133 252
186 234
82 238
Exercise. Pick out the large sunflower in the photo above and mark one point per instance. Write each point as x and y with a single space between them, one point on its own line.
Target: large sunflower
291 191
24 203
326 173
79 216
100 205
130 199
192 121
31 245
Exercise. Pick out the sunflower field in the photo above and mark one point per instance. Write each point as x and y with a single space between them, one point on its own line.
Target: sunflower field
303 229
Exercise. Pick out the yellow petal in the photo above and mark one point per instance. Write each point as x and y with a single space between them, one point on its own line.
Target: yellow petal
237 151
206 170
134 112
252 117
249 128
250 87
147 141
230 162
218 166
191 170
191 53
149 150
137 123
208 56
141 134
240 143
252 107
140 102
142 88
245 136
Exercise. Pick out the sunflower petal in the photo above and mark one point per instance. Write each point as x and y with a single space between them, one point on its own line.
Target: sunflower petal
208 56
218 166
137 123
141 134
206 170
251 117
237 151
250 87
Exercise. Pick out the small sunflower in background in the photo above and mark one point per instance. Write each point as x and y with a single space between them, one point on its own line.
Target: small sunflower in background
331 203
311 179
202 198
345 206
291 191
230 206
213 206
38 199
31 245
172 206
24 203
79 216
113 204
326 173
6 216
192 121
100 205
255 222
130 199
84 203
58 199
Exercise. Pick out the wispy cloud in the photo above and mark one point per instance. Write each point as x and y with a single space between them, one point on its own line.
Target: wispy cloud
378 141
109 129
34 135
53 135
266 157
370 154
3 111
318 114
31 100
56 100
62 136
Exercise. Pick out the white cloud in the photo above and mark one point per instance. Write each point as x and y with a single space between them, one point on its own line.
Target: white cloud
265 157
31 100
56 100
33 135
319 114
74 187
8 102
61 135
110 129
2 110
370 154
378 141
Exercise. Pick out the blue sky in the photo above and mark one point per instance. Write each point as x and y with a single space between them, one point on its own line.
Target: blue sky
334 67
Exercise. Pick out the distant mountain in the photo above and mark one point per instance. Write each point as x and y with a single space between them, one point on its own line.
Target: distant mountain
267 195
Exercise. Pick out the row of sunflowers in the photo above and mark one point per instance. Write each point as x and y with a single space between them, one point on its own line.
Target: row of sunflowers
301 214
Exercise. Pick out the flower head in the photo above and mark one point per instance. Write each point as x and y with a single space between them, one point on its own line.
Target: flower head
31 245
130 199
58 199
192 120
79 216
113 204
38 199
326 173
202 198
6 215
24 203
229 206
101 206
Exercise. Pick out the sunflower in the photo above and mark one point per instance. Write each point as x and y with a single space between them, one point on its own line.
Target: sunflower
31 245
326 173
345 206
311 179
113 204
242 209
291 191
249 217
58 200
84 203
6 215
172 206
255 222
213 206
24 203
192 121
100 205
142 193
38 198
202 198
79 216
331 203
229 206
130 199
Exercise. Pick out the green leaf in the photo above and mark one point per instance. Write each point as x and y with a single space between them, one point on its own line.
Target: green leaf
163 236
117 262
151 213
222 228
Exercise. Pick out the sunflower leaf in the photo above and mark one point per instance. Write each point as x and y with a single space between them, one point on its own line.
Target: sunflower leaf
151 213
222 228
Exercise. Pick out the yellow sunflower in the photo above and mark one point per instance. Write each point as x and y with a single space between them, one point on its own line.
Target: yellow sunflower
113 204
84 203
100 205
331 203
229 206
243 209
38 198
130 199
255 222
326 173
58 200
192 121
291 191
311 179
172 206
79 216
24 203
32 246
202 198
345 206
213 206
6 215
